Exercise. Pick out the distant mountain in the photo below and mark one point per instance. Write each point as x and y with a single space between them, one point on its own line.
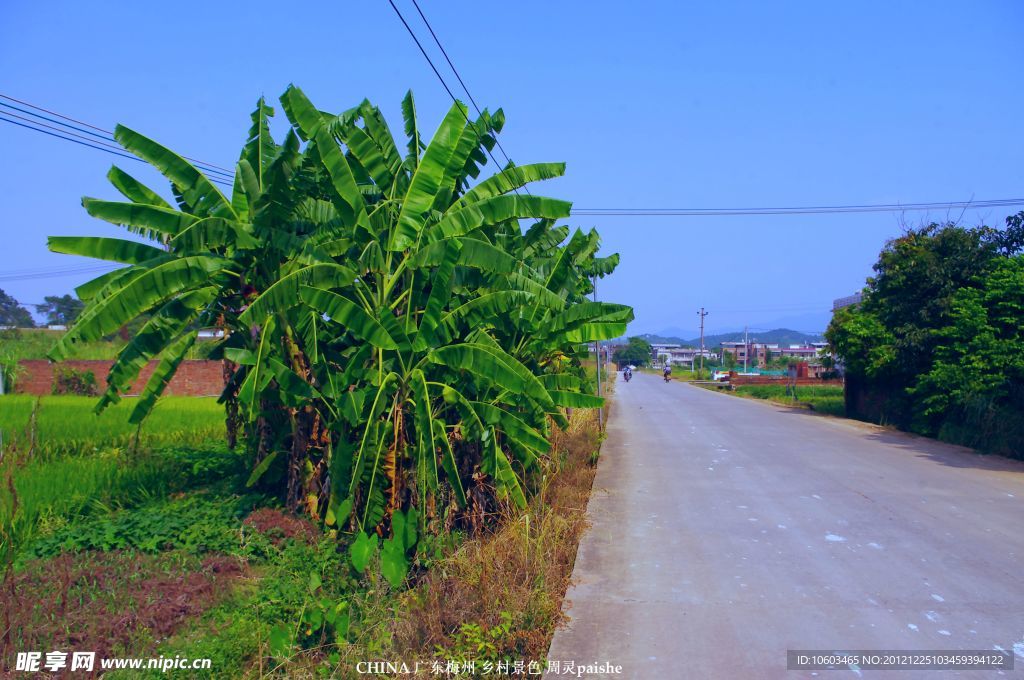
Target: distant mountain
780 336
677 332
654 338
810 322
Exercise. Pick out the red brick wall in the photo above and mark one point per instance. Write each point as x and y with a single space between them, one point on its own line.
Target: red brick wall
193 379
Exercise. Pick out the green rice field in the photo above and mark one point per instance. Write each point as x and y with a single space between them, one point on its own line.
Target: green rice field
67 425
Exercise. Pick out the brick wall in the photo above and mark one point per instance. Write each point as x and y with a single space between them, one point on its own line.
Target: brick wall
193 379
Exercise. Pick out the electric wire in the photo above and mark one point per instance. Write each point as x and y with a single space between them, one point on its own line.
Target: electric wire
107 135
69 139
458 76
93 145
56 273
443 83
795 210
100 143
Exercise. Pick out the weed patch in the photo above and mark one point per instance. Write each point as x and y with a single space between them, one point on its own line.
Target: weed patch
53 494
196 524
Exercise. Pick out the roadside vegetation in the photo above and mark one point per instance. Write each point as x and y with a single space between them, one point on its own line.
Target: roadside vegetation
167 552
937 345
410 423
827 399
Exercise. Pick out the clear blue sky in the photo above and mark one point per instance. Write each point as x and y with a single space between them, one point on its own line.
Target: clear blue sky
669 104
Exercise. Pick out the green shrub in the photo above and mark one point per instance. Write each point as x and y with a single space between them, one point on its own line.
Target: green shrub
68 380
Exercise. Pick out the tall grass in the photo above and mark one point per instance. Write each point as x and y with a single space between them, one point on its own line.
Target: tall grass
822 398
67 425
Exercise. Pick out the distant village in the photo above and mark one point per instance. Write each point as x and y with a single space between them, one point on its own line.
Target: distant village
749 355
743 356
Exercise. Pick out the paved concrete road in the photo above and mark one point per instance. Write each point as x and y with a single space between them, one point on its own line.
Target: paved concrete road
726 531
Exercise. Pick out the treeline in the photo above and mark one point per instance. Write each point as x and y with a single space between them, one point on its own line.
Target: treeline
937 345
58 309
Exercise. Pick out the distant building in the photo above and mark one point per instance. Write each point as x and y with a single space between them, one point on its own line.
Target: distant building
676 355
797 351
658 349
759 353
750 353
739 350
847 301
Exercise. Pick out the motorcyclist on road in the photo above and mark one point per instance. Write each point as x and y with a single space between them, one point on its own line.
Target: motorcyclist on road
627 373
667 373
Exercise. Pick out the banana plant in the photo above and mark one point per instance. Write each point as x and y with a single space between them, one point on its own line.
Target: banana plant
396 346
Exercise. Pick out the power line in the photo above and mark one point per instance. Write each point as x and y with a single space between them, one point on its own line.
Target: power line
101 144
92 144
53 113
101 141
443 83
788 308
55 273
461 82
44 270
69 139
106 137
109 133
796 210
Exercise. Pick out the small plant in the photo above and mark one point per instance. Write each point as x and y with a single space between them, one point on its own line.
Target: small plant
67 380
324 620
10 372
474 642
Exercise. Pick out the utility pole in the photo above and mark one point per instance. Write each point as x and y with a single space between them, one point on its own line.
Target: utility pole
702 314
746 349
597 345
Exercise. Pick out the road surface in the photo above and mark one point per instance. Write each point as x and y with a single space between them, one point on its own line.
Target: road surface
726 531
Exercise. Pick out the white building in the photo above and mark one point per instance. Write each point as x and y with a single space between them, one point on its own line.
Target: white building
683 356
